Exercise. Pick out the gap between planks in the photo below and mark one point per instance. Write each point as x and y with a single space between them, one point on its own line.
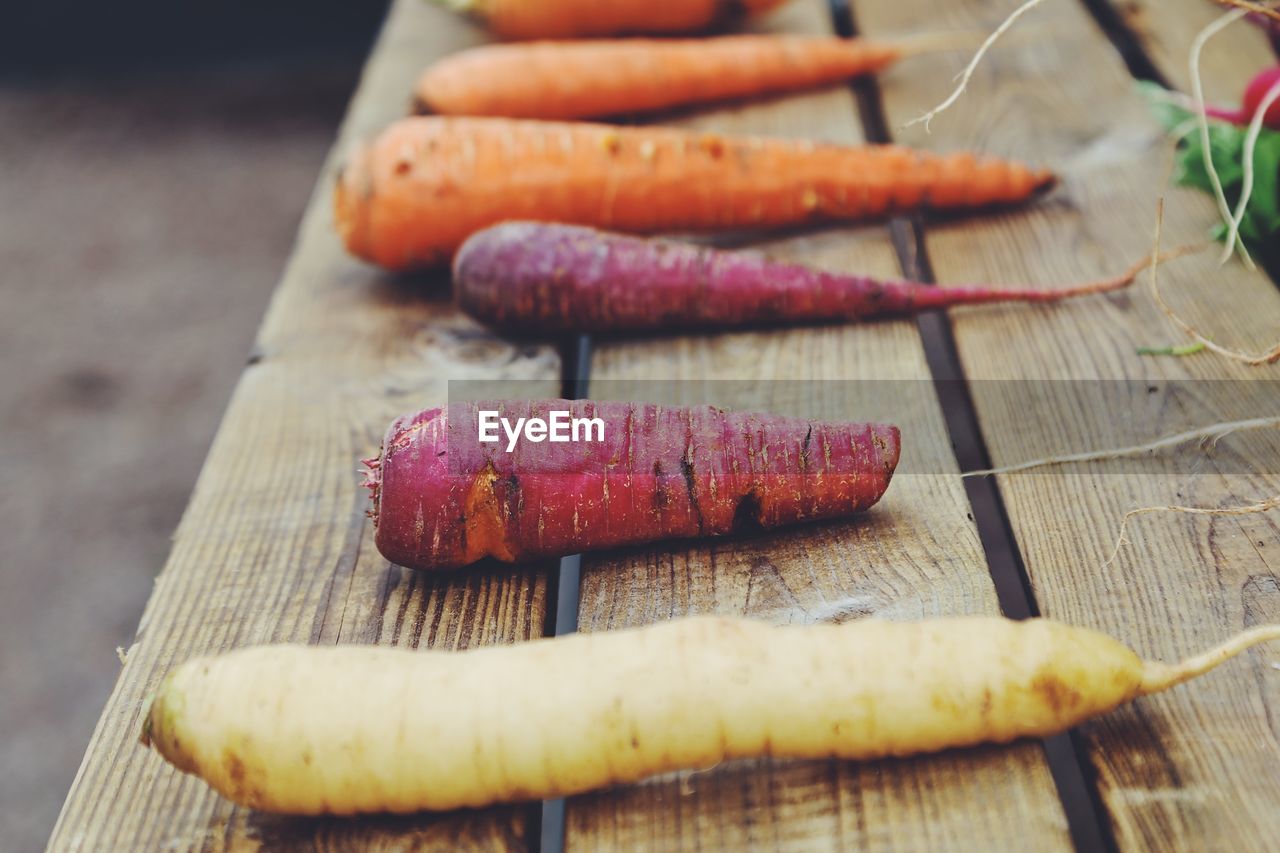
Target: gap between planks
1118 820
564 591
1068 763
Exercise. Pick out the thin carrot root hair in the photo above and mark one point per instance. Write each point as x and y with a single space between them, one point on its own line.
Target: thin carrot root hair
1161 676
1247 509
1251 359
967 74
1125 278
1104 285
1202 116
1246 189
1206 436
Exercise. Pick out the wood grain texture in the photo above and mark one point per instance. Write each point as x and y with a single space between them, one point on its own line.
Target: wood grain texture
1195 768
275 545
914 555
1166 29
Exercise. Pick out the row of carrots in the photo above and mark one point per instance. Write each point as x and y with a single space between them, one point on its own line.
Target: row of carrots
503 143
360 729
515 197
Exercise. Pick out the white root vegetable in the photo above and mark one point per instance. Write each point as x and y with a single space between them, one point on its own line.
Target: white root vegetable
364 729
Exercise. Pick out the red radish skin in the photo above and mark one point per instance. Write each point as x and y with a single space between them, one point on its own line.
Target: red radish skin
534 278
1254 94
442 500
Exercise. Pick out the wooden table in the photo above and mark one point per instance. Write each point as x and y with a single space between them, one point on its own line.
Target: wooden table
275 545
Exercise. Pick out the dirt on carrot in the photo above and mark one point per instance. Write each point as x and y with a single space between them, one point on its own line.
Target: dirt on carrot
443 499
562 716
426 184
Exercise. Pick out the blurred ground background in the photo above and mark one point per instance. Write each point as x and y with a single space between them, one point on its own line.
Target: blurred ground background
154 162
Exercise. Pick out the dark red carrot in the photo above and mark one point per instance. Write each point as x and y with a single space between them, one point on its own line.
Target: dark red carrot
539 278
443 499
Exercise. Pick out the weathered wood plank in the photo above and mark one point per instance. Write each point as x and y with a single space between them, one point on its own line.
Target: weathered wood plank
1166 29
1196 768
915 555
275 545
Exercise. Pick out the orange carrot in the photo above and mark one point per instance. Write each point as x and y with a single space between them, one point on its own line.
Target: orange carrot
425 184
540 19
568 80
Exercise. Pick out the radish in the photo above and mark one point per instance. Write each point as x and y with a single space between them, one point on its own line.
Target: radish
1254 94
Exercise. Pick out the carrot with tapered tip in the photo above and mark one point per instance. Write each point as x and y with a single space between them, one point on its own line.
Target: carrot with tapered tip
426 184
539 279
363 729
589 79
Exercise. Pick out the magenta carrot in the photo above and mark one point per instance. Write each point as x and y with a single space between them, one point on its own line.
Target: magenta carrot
637 473
541 278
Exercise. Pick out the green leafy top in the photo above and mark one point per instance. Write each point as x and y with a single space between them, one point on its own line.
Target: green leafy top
1260 228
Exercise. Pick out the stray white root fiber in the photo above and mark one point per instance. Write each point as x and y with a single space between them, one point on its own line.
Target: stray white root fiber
1248 509
1206 436
966 75
1197 92
1250 145
1250 359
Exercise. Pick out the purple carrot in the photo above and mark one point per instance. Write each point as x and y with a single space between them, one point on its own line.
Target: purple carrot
541 279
